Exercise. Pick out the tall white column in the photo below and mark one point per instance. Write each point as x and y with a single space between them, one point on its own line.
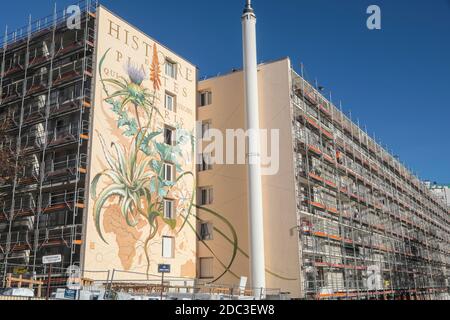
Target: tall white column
256 218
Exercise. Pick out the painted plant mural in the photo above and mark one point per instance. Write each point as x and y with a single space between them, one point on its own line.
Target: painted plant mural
135 174
134 178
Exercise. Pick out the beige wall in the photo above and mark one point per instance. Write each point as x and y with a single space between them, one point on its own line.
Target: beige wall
230 181
124 247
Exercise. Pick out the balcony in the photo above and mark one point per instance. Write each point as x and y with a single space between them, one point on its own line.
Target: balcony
34 112
65 167
28 175
24 206
61 136
70 100
73 71
52 203
13 67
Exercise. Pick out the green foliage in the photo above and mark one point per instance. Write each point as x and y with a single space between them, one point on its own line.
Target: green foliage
131 183
129 125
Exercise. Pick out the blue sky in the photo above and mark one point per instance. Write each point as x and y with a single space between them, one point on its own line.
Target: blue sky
395 81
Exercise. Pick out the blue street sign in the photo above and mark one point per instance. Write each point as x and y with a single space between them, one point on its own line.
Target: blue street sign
164 268
70 294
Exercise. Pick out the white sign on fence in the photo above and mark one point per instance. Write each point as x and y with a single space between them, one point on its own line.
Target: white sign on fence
52 259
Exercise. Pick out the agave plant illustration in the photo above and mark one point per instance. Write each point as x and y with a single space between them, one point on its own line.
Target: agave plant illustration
131 187
130 183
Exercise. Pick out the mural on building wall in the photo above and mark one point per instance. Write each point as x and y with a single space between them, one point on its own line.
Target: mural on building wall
134 180
135 174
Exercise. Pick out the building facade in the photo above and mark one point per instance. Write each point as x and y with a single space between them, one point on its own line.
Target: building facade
99 129
442 192
343 219
98 140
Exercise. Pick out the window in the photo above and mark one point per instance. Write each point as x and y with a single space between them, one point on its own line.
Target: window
206 231
169 136
206 126
54 98
205 98
206 268
169 209
60 126
168 247
170 102
168 172
205 163
171 69
56 220
205 196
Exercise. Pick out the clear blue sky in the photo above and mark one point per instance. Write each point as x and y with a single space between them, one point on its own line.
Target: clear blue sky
396 81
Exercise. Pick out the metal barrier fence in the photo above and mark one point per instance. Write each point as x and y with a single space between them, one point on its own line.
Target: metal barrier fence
123 285
6 298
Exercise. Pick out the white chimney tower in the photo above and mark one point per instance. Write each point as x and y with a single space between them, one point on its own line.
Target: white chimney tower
256 218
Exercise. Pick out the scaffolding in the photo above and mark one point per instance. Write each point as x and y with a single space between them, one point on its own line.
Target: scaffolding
368 228
45 101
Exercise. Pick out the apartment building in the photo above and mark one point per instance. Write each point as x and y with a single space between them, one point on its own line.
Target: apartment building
343 219
98 124
98 165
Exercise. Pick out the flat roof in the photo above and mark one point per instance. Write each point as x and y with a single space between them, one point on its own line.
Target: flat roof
233 71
